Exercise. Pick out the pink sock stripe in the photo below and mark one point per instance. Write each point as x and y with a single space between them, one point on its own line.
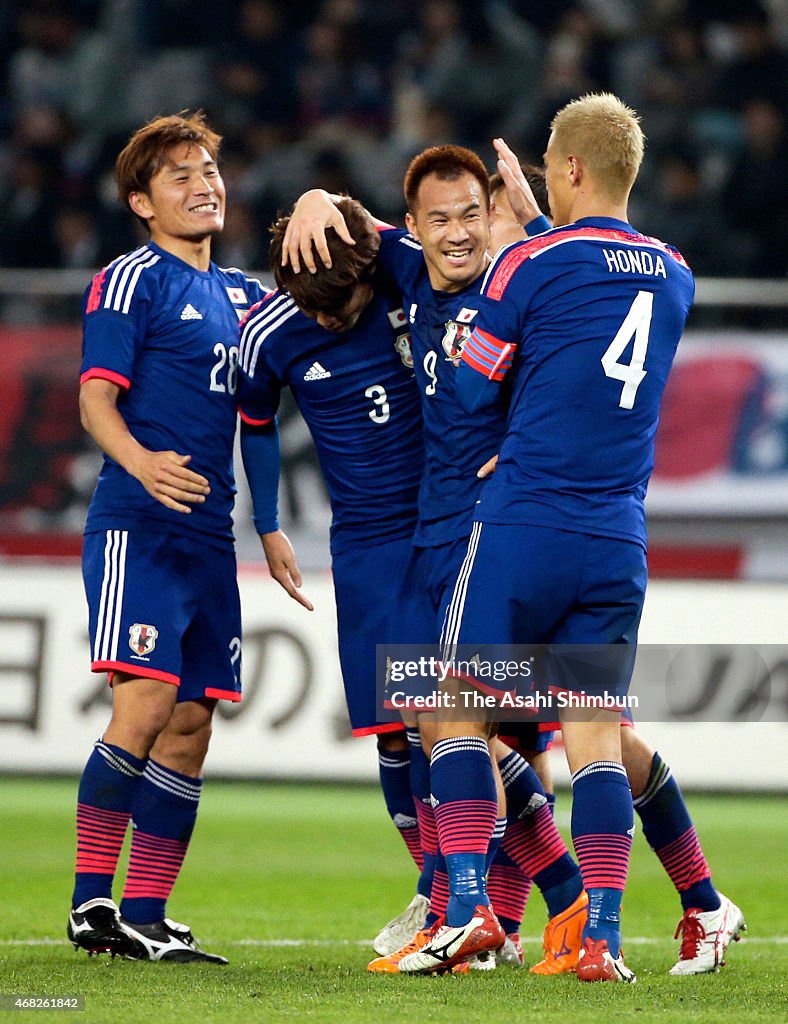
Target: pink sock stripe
604 860
154 865
439 894
100 814
535 843
428 829
465 826
413 843
508 889
684 861
100 836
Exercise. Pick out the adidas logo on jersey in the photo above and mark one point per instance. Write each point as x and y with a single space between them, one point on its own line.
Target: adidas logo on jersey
190 313
317 372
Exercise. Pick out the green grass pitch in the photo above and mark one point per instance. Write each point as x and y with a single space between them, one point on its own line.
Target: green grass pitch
291 882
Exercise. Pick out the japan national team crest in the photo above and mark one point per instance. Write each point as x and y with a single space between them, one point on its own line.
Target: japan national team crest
454 340
404 350
142 638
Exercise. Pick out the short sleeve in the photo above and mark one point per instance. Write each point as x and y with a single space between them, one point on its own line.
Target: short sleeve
115 315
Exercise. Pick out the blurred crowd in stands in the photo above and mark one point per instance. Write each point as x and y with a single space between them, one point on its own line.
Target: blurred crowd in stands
342 93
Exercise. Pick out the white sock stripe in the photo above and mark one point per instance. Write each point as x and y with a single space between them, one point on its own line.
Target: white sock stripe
390 762
663 774
513 771
500 828
414 737
453 618
115 761
458 744
599 766
158 775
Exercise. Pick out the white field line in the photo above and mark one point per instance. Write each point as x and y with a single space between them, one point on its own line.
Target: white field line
636 940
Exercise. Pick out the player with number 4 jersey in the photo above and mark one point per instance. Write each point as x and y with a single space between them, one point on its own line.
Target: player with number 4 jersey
585 321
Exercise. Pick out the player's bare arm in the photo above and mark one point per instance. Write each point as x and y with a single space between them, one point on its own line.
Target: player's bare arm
312 215
283 566
164 475
521 197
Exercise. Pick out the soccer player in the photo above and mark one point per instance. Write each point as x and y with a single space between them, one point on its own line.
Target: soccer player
157 394
586 318
343 349
657 797
439 267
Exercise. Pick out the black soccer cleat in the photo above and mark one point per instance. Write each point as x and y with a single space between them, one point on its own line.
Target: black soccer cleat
95 927
167 940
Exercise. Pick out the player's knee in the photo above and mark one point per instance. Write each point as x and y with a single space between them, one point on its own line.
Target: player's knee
393 740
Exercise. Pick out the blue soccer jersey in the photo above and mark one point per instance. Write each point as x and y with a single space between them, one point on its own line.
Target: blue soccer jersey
167 334
357 395
456 443
587 318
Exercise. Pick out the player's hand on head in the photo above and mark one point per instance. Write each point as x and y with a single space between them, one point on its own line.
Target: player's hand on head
167 478
488 468
312 215
521 196
282 563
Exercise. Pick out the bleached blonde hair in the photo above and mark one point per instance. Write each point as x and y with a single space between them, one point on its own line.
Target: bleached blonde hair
606 134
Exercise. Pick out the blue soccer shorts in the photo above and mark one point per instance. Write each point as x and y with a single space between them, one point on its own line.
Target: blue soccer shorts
164 606
367 586
426 590
577 595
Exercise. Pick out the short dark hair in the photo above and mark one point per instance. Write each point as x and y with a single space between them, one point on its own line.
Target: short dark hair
146 151
447 163
329 290
536 179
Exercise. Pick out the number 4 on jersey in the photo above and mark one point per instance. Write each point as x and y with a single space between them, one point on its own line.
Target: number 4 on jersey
637 324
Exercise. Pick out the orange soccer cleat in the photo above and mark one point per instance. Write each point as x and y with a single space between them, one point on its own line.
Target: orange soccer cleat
563 939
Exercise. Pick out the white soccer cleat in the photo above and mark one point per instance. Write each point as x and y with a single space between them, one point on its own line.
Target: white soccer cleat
511 952
705 935
450 946
401 930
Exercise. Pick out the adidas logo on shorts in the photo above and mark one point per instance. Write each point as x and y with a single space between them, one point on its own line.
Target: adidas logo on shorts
190 313
317 372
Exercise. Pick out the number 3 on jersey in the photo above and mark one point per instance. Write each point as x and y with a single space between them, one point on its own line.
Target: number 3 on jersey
382 411
637 324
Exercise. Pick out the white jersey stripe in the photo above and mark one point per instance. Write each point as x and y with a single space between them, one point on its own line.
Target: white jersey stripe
263 334
124 539
112 597
133 283
103 600
453 618
117 271
257 323
110 607
125 277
